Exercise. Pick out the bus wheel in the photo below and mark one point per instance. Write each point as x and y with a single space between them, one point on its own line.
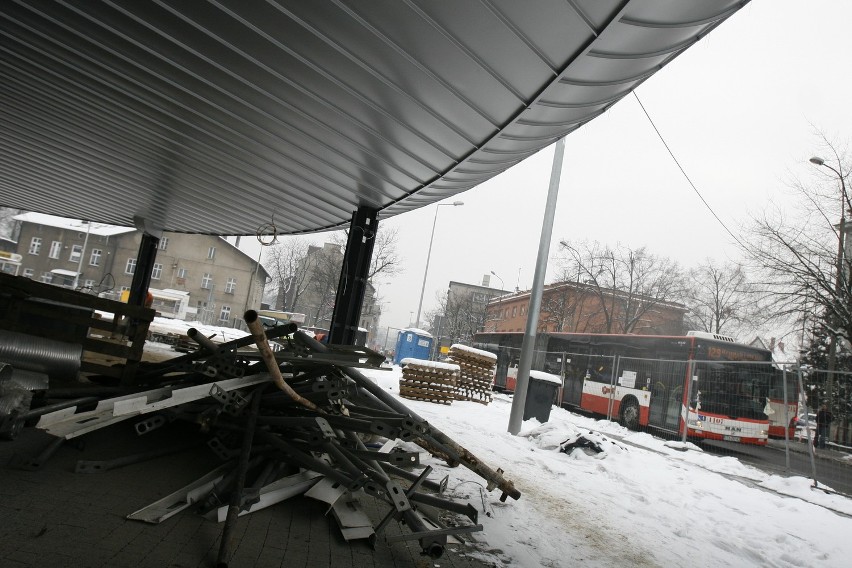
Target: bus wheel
630 414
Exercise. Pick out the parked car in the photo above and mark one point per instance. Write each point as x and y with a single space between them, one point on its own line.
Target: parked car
801 434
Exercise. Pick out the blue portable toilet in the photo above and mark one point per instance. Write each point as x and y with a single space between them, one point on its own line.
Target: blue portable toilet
414 343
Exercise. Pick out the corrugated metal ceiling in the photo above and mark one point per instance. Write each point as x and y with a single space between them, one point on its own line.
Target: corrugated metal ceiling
217 117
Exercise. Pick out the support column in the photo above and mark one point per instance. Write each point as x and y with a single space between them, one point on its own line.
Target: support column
353 276
144 265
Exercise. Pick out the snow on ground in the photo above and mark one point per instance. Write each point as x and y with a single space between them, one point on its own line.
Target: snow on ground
643 501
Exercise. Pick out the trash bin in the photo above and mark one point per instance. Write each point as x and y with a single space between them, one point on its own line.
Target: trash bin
541 393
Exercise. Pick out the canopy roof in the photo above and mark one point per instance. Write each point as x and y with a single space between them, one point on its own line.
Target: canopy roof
221 117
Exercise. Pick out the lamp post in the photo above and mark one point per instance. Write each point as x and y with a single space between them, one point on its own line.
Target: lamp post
502 286
82 254
838 280
429 256
502 289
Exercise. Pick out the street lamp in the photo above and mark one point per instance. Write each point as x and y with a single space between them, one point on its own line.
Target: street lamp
429 255
502 286
838 281
502 290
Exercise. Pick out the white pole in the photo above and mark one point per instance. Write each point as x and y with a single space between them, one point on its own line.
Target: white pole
82 254
519 400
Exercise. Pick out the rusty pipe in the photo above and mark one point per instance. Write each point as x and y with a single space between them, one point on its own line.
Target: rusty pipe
259 336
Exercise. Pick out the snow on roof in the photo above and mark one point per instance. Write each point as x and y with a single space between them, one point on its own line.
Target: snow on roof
430 364
474 350
547 377
100 229
418 331
215 333
63 272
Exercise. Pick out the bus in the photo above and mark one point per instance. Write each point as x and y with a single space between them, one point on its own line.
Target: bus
718 389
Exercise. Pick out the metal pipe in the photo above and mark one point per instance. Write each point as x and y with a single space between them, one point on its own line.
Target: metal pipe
58 359
256 329
202 340
242 469
494 478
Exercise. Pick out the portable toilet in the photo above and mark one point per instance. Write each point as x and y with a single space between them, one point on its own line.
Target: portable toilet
414 343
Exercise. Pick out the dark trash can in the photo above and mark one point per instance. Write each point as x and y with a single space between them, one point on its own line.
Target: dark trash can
541 394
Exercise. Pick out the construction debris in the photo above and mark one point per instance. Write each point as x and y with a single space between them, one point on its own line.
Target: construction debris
429 381
476 372
299 420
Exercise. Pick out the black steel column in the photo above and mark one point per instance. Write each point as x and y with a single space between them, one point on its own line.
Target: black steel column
353 276
144 265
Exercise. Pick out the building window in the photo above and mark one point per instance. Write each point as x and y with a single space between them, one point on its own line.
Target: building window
28 273
231 285
157 272
206 281
181 273
35 245
523 310
211 253
55 249
514 311
130 268
225 314
89 284
95 259
76 253
164 243
47 277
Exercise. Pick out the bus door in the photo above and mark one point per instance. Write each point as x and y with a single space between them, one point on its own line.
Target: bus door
656 385
576 367
598 383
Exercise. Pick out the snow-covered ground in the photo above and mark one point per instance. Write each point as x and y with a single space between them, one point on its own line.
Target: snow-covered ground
641 502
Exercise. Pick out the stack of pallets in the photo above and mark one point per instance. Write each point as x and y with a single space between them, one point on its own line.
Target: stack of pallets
429 381
476 372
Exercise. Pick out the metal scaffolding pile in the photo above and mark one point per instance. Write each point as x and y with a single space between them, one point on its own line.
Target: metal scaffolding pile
428 381
300 420
476 372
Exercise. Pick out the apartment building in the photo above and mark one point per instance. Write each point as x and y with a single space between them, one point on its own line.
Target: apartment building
195 277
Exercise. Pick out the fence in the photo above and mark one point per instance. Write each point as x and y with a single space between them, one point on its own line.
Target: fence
769 408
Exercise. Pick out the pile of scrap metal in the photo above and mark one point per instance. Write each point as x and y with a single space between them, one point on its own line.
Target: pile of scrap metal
298 420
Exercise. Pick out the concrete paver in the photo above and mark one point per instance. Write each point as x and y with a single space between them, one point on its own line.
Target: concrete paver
55 517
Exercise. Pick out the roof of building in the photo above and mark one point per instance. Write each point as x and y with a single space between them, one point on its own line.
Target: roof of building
239 117
99 229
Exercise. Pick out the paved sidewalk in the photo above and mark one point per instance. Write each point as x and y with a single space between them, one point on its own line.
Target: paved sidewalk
55 517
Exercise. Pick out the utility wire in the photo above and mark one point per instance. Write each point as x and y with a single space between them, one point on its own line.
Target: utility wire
695 189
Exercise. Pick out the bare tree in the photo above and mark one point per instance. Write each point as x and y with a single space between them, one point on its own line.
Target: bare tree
627 283
719 297
799 258
289 266
324 278
7 223
385 260
461 316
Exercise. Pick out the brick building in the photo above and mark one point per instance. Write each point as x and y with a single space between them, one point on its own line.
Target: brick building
581 308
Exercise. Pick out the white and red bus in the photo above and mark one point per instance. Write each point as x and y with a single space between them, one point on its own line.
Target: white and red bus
717 388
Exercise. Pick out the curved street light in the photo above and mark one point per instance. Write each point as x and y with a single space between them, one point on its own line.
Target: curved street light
838 282
429 255
502 286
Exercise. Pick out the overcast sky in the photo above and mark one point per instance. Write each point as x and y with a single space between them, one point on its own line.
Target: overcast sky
739 110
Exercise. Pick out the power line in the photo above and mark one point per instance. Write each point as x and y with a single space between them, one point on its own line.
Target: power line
695 189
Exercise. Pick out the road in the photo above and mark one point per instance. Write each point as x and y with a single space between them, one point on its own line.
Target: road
832 469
